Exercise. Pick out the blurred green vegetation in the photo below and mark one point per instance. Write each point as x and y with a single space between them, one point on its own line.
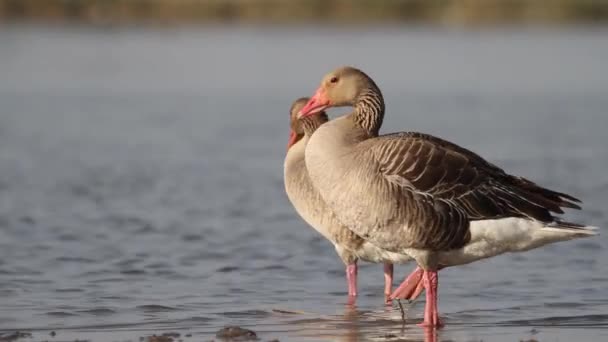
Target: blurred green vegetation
443 12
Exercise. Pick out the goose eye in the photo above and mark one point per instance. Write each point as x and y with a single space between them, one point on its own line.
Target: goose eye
333 79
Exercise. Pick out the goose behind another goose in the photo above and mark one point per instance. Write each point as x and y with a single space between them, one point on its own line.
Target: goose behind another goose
420 195
310 206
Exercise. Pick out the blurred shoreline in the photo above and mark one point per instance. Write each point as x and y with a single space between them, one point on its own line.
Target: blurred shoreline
419 12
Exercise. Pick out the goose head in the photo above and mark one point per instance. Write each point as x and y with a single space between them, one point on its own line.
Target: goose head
341 87
299 127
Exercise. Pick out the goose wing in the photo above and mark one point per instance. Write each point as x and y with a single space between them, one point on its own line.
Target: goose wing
440 169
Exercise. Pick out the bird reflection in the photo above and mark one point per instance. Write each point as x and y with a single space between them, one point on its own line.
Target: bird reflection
388 324
355 324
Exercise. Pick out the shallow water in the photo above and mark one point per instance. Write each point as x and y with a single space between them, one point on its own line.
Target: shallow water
141 179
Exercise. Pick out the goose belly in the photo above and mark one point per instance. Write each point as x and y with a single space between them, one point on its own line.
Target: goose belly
371 253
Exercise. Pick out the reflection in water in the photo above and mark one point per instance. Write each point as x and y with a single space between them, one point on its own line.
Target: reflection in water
361 325
355 324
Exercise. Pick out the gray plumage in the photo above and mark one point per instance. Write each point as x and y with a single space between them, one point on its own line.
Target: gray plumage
411 190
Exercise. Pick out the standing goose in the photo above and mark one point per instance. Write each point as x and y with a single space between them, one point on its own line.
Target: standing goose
420 195
310 206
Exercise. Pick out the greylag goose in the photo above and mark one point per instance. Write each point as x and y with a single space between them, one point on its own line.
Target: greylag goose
310 206
416 194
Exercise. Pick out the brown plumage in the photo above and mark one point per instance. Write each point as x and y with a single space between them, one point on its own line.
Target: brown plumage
462 184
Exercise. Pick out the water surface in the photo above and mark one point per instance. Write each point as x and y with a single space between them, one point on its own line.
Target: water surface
141 181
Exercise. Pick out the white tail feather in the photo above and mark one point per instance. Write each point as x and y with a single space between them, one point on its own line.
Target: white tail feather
576 232
494 237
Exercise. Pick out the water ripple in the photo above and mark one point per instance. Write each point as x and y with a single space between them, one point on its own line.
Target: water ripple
131 205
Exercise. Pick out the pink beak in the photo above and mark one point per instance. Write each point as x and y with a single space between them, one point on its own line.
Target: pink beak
316 104
293 138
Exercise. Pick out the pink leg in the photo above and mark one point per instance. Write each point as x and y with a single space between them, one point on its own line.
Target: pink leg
431 316
388 281
409 285
417 291
351 277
